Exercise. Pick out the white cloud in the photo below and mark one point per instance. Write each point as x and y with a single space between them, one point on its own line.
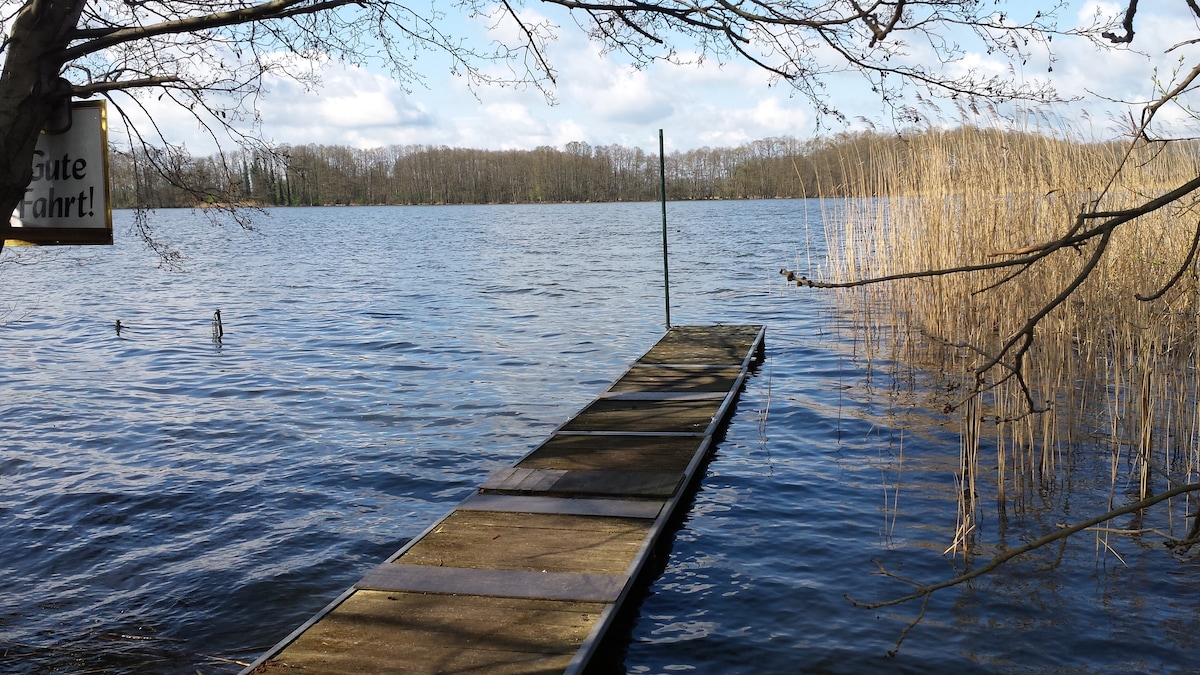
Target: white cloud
352 107
626 96
603 100
502 126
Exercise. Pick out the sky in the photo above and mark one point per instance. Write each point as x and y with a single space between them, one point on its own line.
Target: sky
602 100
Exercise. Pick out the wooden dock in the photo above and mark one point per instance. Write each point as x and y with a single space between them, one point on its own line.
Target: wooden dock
527 574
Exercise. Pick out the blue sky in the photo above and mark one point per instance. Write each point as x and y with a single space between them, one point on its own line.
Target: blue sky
602 100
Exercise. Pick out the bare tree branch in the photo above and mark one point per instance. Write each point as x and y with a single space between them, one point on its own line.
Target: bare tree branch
1184 267
88 90
276 9
1126 23
532 41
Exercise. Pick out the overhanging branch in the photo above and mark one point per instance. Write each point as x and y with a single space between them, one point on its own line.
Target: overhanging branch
276 9
87 90
1126 24
1032 254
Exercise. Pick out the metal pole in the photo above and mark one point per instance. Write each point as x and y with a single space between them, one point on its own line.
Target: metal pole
662 174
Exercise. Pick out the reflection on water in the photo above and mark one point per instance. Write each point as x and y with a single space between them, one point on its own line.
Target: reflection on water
173 503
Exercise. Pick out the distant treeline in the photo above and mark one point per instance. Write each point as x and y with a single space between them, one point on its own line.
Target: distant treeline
847 164
420 174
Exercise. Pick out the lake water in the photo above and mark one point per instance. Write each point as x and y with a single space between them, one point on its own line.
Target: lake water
173 504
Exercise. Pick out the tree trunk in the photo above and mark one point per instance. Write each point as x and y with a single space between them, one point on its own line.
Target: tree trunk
30 88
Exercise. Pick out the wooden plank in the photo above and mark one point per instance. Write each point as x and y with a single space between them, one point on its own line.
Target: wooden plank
499 583
684 366
521 479
661 434
357 657
663 396
704 344
619 483
688 378
595 483
390 632
674 416
532 542
580 506
616 452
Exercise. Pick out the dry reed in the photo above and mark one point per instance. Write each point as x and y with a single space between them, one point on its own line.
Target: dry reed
1107 367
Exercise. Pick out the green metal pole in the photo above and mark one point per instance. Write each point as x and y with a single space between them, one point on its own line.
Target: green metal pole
662 174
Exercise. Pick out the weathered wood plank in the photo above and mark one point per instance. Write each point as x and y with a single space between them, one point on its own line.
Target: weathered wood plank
659 378
579 506
390 632
416 658
619 483
704 344
500 583
533 542
663 395
578 483
516 478
677 416
614 453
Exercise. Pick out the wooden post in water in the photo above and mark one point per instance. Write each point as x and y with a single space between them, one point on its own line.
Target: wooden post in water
662 174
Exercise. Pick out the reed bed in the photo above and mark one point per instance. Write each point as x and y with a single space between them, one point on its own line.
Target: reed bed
1106 370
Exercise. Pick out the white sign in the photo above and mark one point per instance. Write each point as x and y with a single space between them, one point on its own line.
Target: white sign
67 200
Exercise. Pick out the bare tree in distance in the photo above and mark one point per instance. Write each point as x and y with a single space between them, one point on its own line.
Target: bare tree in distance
212 57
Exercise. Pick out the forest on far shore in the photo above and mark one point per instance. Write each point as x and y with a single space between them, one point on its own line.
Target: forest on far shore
314 175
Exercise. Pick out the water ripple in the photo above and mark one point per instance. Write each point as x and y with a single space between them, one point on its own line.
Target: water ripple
166 497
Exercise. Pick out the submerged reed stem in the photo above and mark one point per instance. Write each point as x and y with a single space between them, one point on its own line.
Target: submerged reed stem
1085 343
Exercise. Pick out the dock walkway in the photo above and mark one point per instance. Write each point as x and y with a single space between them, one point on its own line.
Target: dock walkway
527 574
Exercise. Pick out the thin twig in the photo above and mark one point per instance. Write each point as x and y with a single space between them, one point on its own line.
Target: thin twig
1001 558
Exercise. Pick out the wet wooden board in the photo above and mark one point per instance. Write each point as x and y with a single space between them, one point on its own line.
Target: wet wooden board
658 378
398 576
645 416
709 345
614 453
579 506
533 542
576 483
395 632
525 576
